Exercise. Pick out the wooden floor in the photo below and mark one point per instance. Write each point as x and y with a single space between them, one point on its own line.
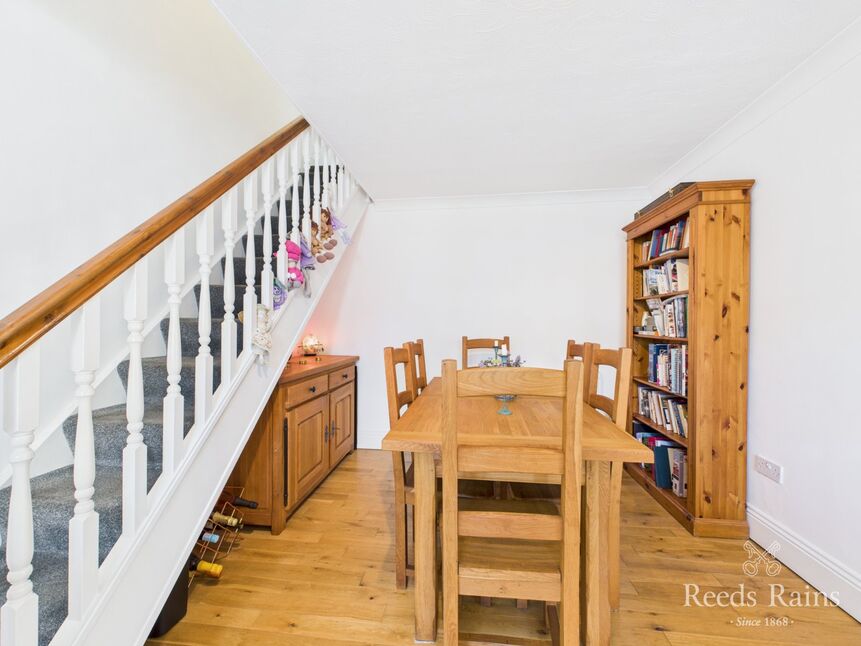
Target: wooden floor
329 579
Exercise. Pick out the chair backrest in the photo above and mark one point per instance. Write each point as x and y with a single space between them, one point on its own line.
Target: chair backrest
576 350
397 399
417 365
486 462
620 359
477 344
567 462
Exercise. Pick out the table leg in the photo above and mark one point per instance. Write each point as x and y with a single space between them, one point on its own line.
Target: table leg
425 547
613 532
597 614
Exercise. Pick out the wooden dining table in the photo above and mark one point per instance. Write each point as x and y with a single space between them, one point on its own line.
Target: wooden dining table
534 422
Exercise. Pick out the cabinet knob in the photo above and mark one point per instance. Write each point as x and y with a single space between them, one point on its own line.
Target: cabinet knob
326 434
313 389
345 376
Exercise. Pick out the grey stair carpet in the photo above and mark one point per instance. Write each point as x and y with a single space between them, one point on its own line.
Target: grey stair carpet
53 492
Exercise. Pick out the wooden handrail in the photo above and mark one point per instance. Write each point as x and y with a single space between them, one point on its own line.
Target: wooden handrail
28 323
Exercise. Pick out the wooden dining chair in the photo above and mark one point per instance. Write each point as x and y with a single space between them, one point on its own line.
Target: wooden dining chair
616 408
403 475
581 351
480 344
541 491
417 365
526 553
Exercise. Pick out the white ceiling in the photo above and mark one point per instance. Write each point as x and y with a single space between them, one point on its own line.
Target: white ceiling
444 97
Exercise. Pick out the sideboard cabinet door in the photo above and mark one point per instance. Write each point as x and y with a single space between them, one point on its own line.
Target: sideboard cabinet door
308 451
343 423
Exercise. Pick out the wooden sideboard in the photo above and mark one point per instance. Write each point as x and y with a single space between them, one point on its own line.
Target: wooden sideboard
306 429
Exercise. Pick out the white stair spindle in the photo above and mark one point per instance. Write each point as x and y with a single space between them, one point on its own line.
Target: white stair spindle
266 276
84 525
174 401
306 188
316 206
281 267
250 299
294 204
19 616
327 178
134 454
229 224
341 183
203 362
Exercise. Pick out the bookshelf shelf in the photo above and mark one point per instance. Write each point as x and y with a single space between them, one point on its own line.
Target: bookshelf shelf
681 253
661 296
655 427
652 384
662 339
711 221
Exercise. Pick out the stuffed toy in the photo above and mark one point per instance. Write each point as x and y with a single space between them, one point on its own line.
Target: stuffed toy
334 225
295 277
321 254
327 237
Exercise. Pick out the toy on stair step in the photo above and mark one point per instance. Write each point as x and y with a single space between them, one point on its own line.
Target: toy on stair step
339 227
307 261
279 293
261 342
295 277
321 254
327 233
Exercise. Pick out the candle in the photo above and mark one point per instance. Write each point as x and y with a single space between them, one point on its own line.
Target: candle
504 351
496 344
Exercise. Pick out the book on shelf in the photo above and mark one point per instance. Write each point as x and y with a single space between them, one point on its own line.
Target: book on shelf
669 316
666 458
678 458
663 409
668 366
665 240
672 276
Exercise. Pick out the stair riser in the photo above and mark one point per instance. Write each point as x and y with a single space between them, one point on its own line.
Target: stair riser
190 341
110 437
216 301
155 377
239 269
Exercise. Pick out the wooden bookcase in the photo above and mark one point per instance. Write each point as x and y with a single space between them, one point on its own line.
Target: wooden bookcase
718 254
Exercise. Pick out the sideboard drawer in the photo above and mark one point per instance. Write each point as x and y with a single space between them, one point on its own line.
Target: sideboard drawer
305 390
341 377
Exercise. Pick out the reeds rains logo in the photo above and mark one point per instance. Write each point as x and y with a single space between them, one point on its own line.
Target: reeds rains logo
760 563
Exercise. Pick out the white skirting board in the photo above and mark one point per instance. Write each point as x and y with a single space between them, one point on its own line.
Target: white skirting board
807 561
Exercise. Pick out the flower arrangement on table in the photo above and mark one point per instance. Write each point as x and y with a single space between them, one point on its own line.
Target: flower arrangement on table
501 358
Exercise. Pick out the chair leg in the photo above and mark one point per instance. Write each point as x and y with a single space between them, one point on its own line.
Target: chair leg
400 545
614 529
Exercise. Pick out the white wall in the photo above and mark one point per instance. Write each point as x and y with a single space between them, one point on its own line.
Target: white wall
114 110
540 268
801 142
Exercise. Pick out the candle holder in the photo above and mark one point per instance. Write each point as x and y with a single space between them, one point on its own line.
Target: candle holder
505 399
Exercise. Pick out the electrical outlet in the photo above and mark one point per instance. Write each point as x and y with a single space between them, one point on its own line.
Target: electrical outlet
769 469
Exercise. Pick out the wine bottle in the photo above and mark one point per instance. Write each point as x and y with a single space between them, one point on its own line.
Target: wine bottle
209 537
236 501
243 502
229 521
207 568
